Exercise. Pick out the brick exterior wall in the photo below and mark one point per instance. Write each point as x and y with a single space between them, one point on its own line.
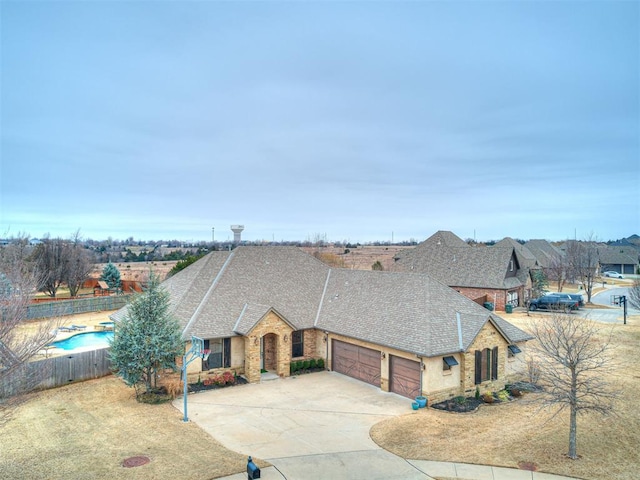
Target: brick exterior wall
497 297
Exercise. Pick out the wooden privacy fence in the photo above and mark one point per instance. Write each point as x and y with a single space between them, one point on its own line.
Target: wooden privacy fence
57 371
75 306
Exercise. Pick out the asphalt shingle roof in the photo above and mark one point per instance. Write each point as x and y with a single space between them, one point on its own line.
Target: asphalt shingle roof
227 293
484 267
543 251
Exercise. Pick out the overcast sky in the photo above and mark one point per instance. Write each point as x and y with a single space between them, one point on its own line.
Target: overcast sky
361 121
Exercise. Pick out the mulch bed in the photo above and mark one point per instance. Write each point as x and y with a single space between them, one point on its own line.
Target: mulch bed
471 404
459 405
201 387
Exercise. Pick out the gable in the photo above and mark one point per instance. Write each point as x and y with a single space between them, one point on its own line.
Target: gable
253 316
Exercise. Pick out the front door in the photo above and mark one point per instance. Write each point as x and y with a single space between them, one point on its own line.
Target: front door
270 352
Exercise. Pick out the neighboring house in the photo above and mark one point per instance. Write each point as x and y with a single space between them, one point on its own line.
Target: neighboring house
544 252
618 259
484 274
259 308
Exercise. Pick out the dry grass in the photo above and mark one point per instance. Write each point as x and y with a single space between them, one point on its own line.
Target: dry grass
507 434
86 430
361 258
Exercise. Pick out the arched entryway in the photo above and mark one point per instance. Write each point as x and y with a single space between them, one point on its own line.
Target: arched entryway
269 353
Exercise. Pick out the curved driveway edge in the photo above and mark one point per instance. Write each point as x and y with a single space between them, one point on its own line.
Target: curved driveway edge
316 426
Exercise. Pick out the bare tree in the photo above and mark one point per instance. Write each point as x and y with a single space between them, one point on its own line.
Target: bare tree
79 264
582 263
634 294
557 270
50 263
574 363
20 340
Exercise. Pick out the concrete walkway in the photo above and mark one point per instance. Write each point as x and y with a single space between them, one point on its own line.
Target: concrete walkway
316 427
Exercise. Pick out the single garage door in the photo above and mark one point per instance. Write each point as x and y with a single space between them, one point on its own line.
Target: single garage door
357 362
404 376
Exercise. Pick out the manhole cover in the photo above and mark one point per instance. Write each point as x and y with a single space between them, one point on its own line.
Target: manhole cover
135 461
532 467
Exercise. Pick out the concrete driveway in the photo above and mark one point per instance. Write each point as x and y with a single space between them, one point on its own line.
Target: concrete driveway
313 426
316 427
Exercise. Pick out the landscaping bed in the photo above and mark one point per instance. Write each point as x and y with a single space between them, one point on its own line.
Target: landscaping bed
223 380
462 404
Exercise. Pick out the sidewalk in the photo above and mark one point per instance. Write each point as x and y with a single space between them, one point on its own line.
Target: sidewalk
424 469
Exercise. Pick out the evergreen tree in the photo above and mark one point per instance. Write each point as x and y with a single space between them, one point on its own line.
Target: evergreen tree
111 275
182 264
147 340
539 283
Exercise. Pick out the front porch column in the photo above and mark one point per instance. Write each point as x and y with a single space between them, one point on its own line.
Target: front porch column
252 359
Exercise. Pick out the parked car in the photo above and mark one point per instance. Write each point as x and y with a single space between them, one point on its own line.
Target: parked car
569 296
553 302
612 274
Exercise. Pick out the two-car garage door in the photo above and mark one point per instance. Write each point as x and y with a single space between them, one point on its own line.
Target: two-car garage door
357 362
365 364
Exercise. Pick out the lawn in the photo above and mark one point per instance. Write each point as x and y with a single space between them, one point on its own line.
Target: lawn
86 430
515 433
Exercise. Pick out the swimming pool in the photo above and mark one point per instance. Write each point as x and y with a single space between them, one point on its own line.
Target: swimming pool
85 341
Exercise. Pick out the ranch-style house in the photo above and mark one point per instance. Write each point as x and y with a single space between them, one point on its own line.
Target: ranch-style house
259 308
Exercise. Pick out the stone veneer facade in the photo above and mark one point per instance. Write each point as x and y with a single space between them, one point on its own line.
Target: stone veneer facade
280 342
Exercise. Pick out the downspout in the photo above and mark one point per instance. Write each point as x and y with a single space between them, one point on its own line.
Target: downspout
461 345
459 332
326 355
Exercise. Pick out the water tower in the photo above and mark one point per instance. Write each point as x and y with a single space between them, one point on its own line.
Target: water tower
237 232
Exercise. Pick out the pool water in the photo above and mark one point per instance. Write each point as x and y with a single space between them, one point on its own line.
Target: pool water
87 340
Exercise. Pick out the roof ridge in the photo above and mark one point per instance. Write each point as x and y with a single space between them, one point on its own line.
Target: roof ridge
324 291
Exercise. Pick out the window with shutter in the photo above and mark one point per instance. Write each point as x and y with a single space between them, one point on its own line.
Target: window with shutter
478 367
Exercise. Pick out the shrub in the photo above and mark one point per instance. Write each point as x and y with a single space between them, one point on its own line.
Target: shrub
515 392
299 365
487 397
218 380
503 395
207 381
320 363
174 387
312 363
477 393
460 400
305 364
292 368
229 378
